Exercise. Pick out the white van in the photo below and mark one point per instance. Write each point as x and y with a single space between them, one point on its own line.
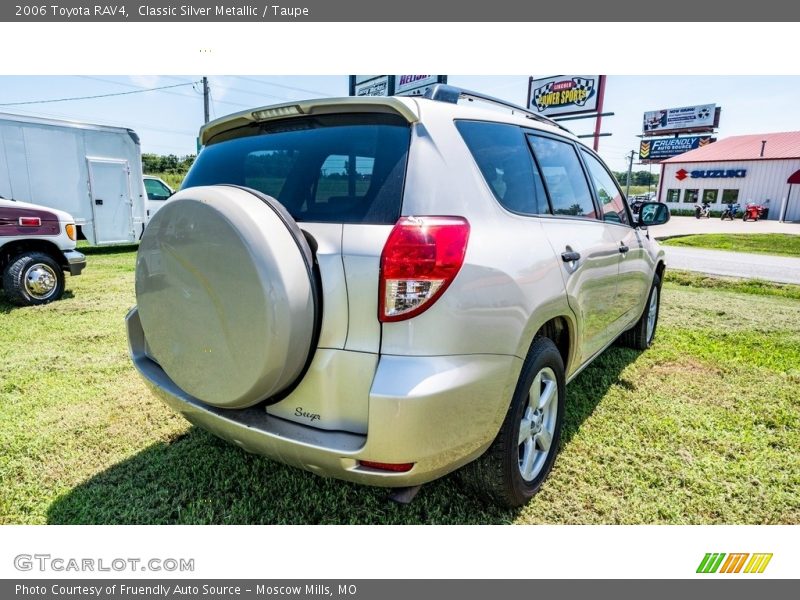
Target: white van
93 172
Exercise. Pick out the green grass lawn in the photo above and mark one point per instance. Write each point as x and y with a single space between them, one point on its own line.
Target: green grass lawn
637 190
762 243
702 428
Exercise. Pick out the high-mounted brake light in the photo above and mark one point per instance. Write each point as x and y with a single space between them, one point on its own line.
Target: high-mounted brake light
421 258
277 112
30 222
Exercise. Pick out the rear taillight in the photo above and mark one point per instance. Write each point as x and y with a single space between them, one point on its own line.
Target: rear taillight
420 259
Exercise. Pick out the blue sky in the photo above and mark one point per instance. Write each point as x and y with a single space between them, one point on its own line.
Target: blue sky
167 120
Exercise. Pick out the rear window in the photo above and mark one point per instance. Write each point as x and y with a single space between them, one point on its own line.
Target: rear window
338 169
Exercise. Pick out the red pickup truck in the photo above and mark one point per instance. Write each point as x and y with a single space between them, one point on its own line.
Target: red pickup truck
37 246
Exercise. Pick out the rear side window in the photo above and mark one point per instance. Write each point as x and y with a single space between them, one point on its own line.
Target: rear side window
338 169
608 194
563 174
505 162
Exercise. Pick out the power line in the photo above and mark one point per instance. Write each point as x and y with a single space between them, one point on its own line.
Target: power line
49 101
280 85
211 100
73 116
241 91
141 87
192 83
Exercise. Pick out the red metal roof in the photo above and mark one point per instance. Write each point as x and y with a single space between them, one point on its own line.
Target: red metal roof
745 147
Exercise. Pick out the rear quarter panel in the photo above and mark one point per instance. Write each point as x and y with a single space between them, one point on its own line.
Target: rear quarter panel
510 282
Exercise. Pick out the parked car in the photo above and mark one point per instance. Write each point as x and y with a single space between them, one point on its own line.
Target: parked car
37 246
385 290
157 193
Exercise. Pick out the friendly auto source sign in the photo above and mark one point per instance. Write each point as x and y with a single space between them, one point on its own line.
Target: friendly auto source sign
669 147
564 94
675 119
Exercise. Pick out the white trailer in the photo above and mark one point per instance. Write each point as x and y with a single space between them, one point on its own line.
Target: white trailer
93 172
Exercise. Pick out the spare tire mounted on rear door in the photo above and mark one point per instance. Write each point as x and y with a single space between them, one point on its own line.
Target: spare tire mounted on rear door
228 299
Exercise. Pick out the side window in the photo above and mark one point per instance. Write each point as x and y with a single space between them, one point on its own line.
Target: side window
505 162
563 174
155 190
673 195
609 195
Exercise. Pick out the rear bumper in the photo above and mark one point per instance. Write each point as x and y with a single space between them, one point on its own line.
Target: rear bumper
75 261
436 412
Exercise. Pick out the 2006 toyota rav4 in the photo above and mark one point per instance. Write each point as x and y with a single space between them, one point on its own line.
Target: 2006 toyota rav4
385 290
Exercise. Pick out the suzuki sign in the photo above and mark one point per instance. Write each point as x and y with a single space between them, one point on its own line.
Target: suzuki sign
682 174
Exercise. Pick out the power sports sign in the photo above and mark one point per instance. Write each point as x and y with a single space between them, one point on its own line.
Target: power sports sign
564 94
669 147
701 116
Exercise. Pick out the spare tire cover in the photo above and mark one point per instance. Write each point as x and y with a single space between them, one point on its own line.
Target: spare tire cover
226 294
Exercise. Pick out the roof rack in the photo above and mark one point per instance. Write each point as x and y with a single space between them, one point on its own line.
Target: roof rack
449 93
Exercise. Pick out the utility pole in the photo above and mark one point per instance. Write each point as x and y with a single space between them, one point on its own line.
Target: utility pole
205 99
630 168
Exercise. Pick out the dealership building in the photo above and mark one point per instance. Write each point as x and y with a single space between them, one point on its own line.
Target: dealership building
761 169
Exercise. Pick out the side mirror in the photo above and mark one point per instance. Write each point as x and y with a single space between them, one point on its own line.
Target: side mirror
653 213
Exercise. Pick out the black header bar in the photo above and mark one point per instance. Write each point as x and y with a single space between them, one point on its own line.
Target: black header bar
671 14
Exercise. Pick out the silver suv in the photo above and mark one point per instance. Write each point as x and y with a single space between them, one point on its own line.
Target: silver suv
384 290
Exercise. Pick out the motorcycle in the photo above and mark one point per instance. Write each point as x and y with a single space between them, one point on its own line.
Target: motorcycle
752 212
731 212
702 211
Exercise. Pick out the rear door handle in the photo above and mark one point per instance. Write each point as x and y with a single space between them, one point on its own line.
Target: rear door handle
570 256
98 201
623 248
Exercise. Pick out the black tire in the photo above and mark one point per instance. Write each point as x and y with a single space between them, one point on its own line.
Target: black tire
17 277
497 475
638 337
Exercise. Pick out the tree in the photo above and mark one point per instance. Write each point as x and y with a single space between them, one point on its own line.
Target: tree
159 163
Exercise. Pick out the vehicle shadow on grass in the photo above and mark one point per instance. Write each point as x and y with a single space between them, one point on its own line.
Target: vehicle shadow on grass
199 479
112 249
6 307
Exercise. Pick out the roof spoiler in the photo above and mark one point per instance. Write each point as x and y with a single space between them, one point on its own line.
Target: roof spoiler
448 93
356 104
